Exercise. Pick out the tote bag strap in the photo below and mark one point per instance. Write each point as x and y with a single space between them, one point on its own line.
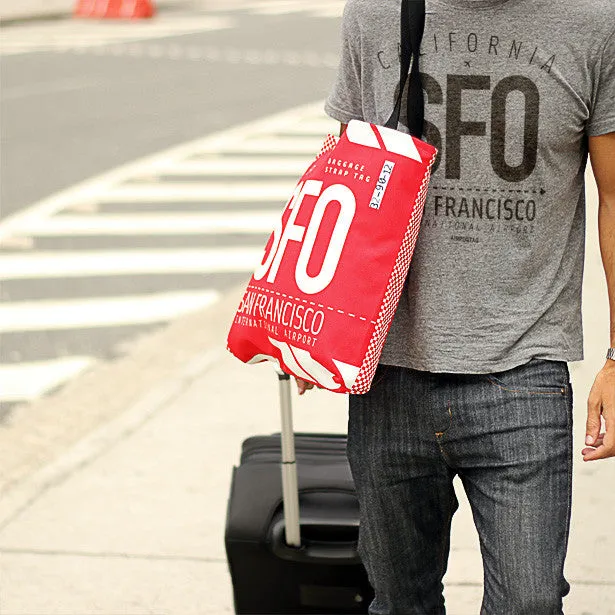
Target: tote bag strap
412 27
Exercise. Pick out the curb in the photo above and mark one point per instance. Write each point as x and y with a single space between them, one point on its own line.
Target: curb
102 440
9 21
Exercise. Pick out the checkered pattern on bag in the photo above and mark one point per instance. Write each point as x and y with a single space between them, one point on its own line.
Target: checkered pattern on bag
330 142
393 292
329 145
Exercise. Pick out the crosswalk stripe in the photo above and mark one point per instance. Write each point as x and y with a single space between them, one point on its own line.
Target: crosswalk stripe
107 312
331 8
335 10
278 7
127 262
299 145
193 192
27 381
85 34
320 127
252 222
232 6
235 167
281 7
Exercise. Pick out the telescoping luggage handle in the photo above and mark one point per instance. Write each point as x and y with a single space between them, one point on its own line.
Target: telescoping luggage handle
290 546
290 485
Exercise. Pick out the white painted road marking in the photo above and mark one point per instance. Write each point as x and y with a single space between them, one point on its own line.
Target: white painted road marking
193 192
68 264
225 55
298 145
71 34
315 8
37 89
265 165
278 7
248 223
106 312
27 381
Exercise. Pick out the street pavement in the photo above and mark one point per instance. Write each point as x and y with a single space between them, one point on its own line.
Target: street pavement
80 97
131 519
116 218
142 245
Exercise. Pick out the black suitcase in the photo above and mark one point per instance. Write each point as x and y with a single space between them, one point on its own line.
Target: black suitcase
291 535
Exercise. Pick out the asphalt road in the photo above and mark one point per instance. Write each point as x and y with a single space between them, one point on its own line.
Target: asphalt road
73 110
68 116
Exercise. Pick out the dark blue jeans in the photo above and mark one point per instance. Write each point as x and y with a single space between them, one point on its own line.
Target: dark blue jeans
508 436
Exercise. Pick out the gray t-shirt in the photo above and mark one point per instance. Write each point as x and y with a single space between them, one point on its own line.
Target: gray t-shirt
513 89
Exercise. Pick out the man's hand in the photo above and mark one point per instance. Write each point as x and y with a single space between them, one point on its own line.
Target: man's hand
303 385
601 403
602 397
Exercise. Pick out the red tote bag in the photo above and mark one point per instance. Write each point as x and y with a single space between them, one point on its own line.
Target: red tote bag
322 300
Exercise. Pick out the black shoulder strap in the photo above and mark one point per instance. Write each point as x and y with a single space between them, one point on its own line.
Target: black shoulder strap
412 27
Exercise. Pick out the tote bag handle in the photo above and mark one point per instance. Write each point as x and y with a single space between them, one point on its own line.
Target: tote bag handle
412 25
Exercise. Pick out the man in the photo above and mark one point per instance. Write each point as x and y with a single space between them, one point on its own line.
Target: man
473 379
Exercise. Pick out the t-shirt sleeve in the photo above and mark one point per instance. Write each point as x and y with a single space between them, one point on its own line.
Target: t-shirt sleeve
602 119
344 102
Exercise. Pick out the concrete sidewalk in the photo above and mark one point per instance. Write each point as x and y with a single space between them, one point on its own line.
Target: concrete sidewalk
131 520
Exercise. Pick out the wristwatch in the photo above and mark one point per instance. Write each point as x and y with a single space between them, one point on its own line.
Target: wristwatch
611 354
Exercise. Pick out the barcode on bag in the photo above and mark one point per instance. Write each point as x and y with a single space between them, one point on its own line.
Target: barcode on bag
381 184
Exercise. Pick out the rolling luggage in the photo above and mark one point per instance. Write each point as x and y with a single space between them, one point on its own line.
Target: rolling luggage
291 535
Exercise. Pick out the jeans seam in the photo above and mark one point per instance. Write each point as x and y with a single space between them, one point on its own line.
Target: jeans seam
563 390
443 546
447 459
440 434
569 426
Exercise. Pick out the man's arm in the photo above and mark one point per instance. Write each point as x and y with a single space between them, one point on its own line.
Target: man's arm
602 396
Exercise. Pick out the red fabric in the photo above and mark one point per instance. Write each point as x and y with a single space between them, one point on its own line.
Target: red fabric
323 299
115 9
